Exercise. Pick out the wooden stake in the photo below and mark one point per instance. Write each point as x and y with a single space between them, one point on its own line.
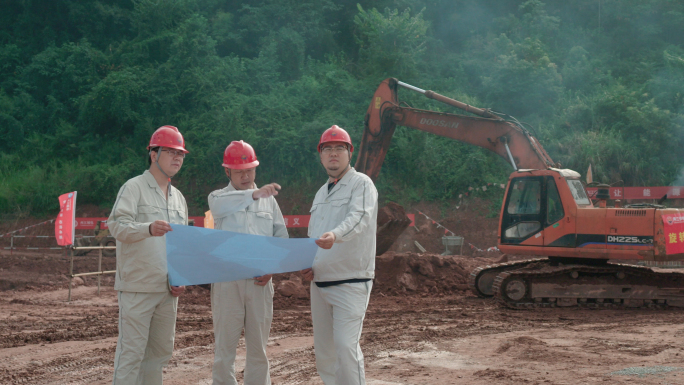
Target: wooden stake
99 268
71 272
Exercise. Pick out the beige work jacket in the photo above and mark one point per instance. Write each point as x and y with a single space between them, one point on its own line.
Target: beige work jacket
350 211
140 257
236 210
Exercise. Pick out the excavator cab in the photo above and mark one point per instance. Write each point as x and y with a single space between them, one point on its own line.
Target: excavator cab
522 216
532 204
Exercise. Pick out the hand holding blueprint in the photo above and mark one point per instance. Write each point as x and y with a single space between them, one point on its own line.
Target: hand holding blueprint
195 255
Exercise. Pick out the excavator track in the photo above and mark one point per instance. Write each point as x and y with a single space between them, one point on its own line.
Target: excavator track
605 286
481 279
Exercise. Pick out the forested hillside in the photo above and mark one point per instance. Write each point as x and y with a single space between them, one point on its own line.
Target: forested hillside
84 83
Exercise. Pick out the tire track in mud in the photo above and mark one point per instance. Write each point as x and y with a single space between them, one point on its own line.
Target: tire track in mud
297 366
73 370
41 324
53 335
294 364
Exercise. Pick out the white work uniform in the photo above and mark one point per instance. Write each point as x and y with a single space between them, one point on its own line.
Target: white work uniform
243 304
350 211
147 310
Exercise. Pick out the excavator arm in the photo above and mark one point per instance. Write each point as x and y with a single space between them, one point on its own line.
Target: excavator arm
508 139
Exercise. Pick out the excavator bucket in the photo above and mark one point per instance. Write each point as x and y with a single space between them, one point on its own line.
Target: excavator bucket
392 221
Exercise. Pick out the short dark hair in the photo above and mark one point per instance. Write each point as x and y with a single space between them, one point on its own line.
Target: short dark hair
149 157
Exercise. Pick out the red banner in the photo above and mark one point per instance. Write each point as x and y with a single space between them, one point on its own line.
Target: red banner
90 223
673 226
290 221
672 192
65 223
297 220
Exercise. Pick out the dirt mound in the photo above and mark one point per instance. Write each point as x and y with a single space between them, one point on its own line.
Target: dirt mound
411 273
292 287
524 342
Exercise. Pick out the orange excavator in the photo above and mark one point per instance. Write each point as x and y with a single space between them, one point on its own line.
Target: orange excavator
546 211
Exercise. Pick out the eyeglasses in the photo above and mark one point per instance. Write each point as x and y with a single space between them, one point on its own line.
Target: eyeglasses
336 149
175 153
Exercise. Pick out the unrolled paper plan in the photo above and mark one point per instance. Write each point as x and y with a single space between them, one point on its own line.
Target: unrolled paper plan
195 255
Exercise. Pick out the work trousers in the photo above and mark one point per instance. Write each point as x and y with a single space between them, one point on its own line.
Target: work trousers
337 313
234 306
147 324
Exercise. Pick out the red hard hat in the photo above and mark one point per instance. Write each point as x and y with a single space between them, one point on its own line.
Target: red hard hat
335 134
167 136
239 155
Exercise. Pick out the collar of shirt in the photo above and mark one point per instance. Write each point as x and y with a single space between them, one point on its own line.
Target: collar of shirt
345 180
149 178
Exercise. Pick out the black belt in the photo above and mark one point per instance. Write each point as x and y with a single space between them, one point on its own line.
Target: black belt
333 283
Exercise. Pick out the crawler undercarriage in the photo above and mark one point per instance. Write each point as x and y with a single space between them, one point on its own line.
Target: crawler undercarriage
565 282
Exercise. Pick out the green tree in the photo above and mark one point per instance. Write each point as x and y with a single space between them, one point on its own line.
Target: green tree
392 42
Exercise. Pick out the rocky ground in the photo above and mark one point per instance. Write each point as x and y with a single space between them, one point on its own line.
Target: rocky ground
422 327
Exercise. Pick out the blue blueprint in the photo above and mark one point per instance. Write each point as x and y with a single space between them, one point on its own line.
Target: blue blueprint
195 255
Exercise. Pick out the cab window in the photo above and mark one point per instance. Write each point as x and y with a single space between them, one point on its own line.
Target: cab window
578 192
522 229
525 197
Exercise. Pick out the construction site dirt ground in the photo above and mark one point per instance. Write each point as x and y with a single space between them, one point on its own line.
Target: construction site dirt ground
423 326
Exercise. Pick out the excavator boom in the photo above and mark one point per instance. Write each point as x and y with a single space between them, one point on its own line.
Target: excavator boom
509 140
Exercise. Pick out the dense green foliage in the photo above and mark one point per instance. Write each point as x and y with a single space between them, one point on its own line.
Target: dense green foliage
84 83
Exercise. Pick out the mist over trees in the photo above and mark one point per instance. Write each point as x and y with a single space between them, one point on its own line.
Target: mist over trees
84 83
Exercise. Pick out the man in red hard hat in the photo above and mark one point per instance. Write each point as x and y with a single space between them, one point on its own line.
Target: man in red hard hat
242 207
343 219
144 208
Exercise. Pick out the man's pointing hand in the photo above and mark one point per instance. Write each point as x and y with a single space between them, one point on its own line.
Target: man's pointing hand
266 191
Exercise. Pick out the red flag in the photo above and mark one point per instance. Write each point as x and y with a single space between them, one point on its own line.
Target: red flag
65 224
673 226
